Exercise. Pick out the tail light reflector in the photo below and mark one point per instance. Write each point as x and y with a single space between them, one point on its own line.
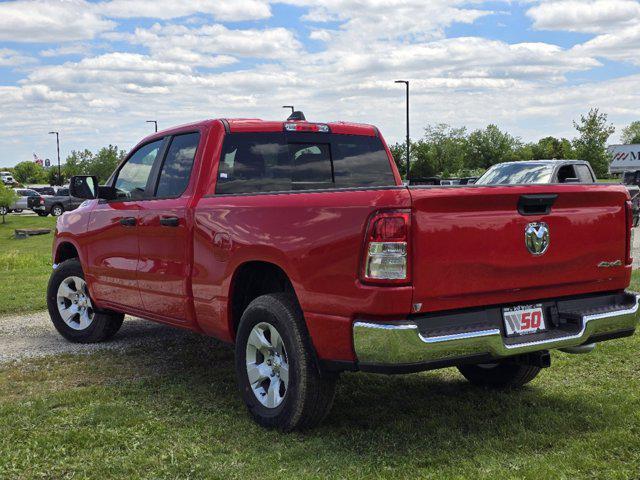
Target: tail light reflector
386 248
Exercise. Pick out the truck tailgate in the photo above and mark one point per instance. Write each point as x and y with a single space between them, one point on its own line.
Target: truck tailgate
468 244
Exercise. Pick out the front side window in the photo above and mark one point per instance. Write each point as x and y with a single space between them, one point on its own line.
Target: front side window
177 166
131 182
270 162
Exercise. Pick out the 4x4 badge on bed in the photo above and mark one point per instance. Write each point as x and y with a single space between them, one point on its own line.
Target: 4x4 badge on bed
536 237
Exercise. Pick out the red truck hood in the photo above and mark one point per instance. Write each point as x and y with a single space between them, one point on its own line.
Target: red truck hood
468 245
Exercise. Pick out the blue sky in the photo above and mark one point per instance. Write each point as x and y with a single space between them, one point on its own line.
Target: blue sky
95 71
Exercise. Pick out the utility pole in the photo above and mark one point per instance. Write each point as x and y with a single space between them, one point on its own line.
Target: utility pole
406 82
155 122
58 148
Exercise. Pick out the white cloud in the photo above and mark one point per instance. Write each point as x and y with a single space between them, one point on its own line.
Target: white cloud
215 39
11 58
70 49
45 21
621 45
223 10
585 16
363 20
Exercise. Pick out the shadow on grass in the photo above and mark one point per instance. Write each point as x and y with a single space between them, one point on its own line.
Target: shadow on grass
376 417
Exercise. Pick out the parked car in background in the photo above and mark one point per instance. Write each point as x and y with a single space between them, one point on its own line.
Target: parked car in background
7 178
556 171
632 181
538 171
27 200
299 243
59 203
44 190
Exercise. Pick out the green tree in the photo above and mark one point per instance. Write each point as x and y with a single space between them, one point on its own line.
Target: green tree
52 176
105 162
551 147
76 163
490 146
591 144
441 151
101 164
29 172
399 153
631 133
7 198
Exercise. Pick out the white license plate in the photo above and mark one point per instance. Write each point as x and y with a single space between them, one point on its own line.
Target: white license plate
523 319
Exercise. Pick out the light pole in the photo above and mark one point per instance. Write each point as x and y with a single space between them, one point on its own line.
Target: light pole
406 82
155 122
58 148
289 106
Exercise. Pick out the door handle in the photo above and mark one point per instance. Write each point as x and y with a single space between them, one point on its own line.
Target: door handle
170 221
128 221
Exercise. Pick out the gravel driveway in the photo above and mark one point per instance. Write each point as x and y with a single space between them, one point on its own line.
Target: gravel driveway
33 335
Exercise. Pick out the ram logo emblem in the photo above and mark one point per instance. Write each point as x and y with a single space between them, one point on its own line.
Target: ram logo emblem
536 238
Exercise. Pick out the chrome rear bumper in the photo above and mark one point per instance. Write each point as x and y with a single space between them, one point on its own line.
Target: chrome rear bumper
403 343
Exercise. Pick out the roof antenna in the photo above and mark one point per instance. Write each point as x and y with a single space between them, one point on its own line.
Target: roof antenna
296 116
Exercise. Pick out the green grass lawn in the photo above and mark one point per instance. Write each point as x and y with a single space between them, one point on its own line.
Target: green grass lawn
25 265
171 410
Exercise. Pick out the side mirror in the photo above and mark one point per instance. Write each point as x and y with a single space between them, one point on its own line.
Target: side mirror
84 186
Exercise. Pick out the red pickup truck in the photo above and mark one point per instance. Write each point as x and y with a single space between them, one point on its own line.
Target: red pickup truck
299 243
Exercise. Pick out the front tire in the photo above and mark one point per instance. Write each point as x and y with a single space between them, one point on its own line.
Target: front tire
276 368
71 309
505 374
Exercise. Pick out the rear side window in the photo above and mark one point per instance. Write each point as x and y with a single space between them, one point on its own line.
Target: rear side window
584 174
176 169
63 192
270 162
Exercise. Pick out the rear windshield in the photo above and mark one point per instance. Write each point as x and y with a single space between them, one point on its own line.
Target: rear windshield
516 173
275 162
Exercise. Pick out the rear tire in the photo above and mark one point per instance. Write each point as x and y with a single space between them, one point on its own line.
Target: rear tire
308 394
4 211
57 210
71 309
505 374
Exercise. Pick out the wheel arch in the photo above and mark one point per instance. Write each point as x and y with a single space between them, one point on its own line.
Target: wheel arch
66 250
251 279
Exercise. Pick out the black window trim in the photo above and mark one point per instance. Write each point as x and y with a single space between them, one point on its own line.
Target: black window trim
155 174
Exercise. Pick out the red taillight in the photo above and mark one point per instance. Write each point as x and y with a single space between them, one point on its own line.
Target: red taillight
306 127
42 201
386 248
629 239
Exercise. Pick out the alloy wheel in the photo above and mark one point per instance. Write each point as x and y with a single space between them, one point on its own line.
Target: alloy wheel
267 365
74 304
